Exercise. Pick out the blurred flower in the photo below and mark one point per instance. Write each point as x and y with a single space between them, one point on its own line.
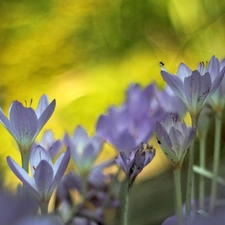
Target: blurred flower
194 89
46 176
214 68
14 209
40 220
84 150
174 138
122 131
49 143
132 162
25 124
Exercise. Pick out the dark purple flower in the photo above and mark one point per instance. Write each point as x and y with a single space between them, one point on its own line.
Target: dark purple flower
132 162
25 123
46 176
174 138
194 89
84 150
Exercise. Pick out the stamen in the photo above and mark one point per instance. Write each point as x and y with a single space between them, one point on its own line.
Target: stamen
34 168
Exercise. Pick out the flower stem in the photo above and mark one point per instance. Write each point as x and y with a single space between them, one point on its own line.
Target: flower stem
190 172
44 208
126 207
202 178
216 161
177 183
25 162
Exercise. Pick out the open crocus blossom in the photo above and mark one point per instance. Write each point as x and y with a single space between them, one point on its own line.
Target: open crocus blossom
46 176
132 162
174 138
24 123
84 150
192 87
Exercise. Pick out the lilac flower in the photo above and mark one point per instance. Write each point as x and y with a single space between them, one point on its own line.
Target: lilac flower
40 220
132 162
14 209
84 150
49 143
46 176
25 123
194 89
214 68
122 131
174 138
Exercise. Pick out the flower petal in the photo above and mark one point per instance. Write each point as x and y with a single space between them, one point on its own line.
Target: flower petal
22 175
80 139
37 155
45 116
24 123
43 177
59 169
175 84
42 105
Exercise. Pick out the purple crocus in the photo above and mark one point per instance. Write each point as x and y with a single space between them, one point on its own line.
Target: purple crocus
45 175
193 88
84 150
132 162
174 138
121 130
24 123
49 143
214 68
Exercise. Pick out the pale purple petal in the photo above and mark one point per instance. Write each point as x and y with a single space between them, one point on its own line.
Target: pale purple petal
22 175
43 178
175 84
45 116
37 155
24 123
125 141
61 170
42 105
80 139
217 81
6 123
214 68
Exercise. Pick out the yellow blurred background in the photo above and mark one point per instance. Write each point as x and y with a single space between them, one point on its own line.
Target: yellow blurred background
84 54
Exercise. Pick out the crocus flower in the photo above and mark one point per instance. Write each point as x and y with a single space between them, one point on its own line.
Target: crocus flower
84 150
45 175
24 123
193 88
132 162
121 130
174 138
49 143
214 67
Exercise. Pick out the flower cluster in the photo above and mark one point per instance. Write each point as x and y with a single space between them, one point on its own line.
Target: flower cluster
67 168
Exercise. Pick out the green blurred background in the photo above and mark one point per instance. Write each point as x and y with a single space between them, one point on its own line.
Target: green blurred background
84 53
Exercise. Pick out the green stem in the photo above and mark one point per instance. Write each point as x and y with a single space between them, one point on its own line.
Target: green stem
25 162
177 183
202 178
190 172
126 207
44 208
216 161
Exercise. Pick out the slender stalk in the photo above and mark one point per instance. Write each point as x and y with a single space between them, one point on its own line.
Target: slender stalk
190 172
177 183
126 207
202 178
44 208
216 161
25 162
